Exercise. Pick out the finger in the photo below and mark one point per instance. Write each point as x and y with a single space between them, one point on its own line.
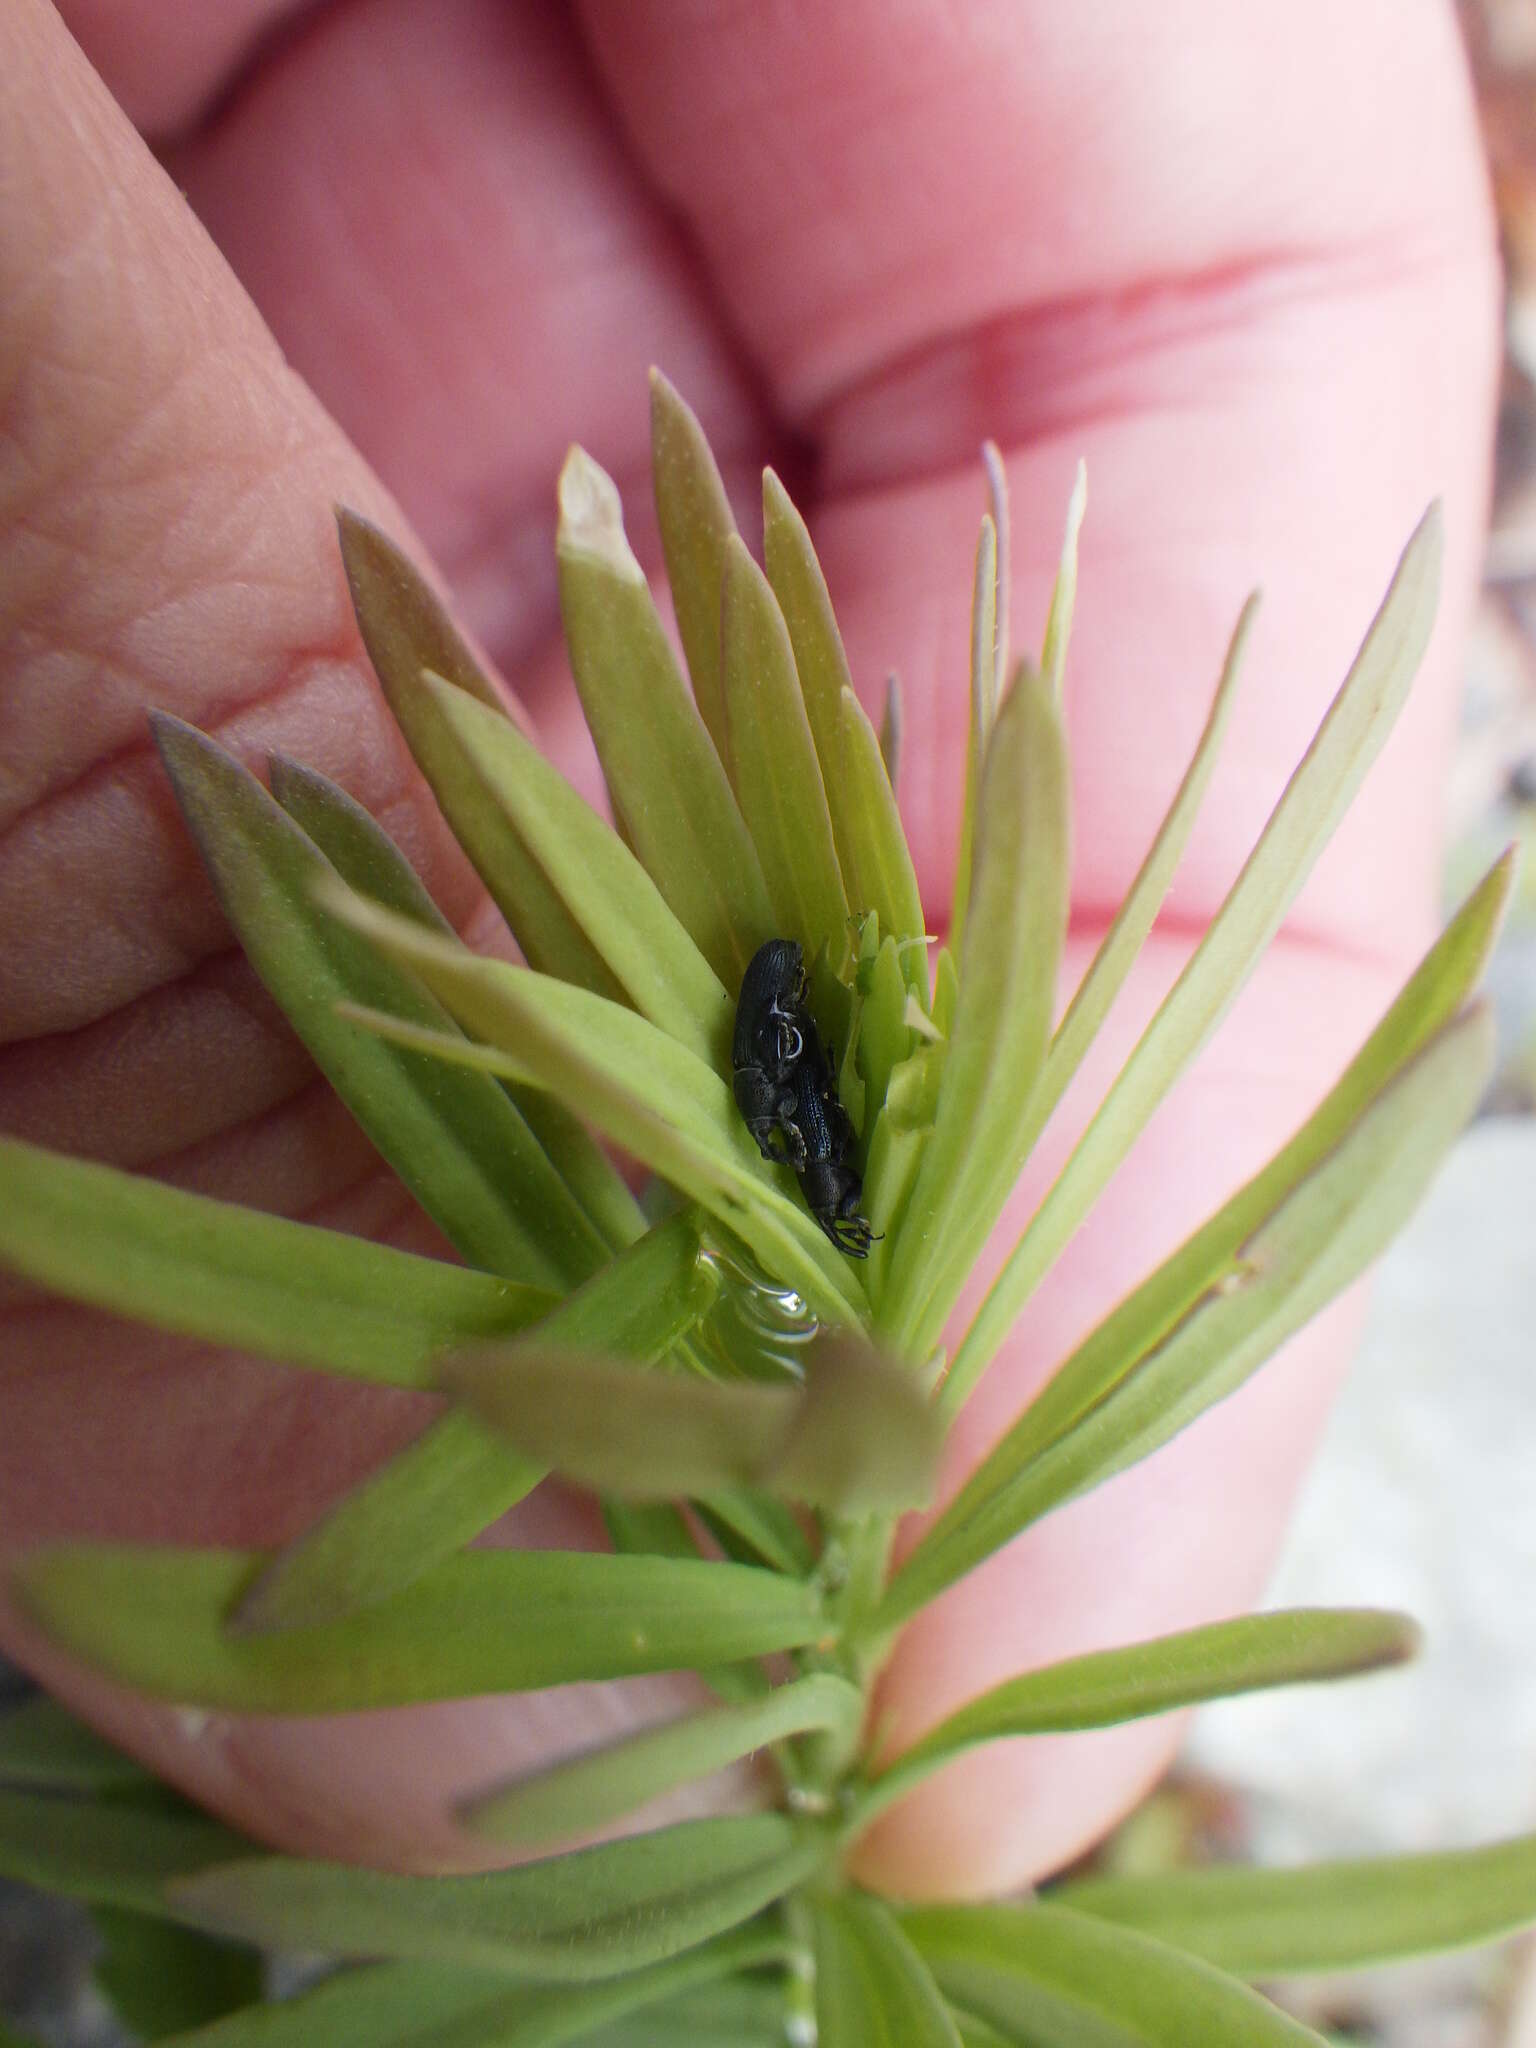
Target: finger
502 286
165 61
166 537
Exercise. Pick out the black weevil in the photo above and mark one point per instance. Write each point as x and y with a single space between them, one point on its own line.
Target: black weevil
783 1084
769 1040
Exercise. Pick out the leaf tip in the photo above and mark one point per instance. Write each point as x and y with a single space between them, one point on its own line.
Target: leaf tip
778 505
1423 556
367 555
668 405
592 516
255 1612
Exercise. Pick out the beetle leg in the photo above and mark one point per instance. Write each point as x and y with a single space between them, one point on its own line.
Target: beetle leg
795 1154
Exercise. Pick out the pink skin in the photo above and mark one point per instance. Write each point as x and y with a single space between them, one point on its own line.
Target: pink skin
1241 259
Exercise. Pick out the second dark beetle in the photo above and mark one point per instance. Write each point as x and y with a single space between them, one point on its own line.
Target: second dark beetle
784 1089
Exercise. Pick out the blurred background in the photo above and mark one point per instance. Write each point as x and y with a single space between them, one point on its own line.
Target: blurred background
1424 1496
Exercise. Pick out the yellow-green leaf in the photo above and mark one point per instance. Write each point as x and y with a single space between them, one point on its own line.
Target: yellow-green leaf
1040 1972
696 524
856 1438
229 1275
581 1794
406 630
1318 793
455 1479
871 852
1139 1379
997 1044
984 599
483 1621
1058 622
887 881
1331 1916
600 882
567 1919
1254 1653
873 1989
774 766
457 1141
669 791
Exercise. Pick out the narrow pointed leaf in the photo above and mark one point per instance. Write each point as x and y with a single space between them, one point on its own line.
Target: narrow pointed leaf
47 1750
873 1989
1224 1658
483 1621
896 1155
456 1479
1123 942
648 1529
229 1275
445 2006
379 2005
106 1852
355 844
456 1141
871 851
1318 793
589 1791
606 890
696 524
754 1528
744 2012
406 630
1058 622
162 1979
574 1918
891 721
975 2033
997 499
886 875
668 788
660 1529
884 1039
1428 1000
774 767
997 1045
1121 1396
820 662
1332 1916
984 597
646 1092
424 1504
1037 1966
856 1438
946 992
594 1181
368 861
436 2005
538 2015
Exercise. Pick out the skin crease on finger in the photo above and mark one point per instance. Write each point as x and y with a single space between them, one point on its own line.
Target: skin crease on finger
1272 339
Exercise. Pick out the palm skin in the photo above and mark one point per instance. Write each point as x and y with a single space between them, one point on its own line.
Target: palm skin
1240 260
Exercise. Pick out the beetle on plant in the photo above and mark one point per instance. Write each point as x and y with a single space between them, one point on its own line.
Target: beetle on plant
782 1078
770 1036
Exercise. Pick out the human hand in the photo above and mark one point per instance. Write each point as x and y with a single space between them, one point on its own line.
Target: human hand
1242 261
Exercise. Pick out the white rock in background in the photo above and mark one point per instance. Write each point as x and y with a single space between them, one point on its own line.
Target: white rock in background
1424 1498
